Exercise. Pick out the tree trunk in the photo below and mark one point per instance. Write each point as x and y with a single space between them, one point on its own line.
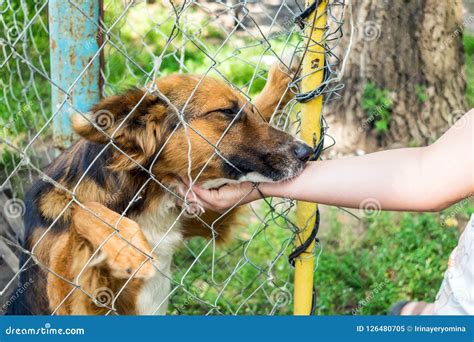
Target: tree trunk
404 79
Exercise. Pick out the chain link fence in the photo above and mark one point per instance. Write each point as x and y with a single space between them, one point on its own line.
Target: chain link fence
141 42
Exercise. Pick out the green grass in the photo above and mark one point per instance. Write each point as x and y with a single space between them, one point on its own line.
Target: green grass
469 48
395 257
255 252
365 266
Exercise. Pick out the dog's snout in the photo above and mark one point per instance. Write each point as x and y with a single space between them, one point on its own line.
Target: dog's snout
303 151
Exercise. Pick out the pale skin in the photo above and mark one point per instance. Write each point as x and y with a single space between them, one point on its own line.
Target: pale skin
419 179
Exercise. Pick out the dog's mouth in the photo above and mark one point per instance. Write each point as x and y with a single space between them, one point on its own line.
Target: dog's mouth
272 176
278 165
258 165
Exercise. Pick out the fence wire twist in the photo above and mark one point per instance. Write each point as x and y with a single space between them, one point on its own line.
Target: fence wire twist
235 41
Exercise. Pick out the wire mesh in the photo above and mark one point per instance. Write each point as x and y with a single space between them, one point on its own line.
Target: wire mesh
234 41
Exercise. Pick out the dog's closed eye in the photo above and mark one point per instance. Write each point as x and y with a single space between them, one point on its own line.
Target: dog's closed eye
228 112
231 112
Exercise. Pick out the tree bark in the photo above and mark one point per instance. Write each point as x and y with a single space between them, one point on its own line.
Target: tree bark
412 51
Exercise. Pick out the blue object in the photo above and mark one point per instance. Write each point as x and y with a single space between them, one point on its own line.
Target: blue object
238 329
74 36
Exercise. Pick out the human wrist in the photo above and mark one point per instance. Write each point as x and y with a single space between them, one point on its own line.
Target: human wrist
269 190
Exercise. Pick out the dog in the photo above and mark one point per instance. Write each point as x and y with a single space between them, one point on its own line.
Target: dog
106 220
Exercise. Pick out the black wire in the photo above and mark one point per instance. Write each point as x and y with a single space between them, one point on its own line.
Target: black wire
304 246
306 97
299 20
313 304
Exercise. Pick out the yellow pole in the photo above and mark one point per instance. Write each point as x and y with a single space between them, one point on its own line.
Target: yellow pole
310 133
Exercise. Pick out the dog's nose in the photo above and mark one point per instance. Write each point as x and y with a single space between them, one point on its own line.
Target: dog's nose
303 151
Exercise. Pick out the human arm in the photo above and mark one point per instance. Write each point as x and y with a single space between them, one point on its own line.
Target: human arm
409 179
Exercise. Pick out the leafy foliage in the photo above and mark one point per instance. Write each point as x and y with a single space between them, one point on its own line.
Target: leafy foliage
469 48
378 106
421 93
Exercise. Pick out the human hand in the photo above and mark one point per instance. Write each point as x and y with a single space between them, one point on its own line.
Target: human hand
225 197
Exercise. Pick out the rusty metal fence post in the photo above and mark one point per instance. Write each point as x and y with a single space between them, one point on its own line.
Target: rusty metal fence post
75 38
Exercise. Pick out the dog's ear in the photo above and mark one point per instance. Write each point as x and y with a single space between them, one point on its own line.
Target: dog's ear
108 117
89 128
135 121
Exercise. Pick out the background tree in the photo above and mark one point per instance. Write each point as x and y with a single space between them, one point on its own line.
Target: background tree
404 81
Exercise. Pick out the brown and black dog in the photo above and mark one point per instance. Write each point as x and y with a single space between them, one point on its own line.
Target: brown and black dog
109 219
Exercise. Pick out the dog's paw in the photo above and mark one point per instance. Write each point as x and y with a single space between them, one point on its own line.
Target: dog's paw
121 243
126 254
282 73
